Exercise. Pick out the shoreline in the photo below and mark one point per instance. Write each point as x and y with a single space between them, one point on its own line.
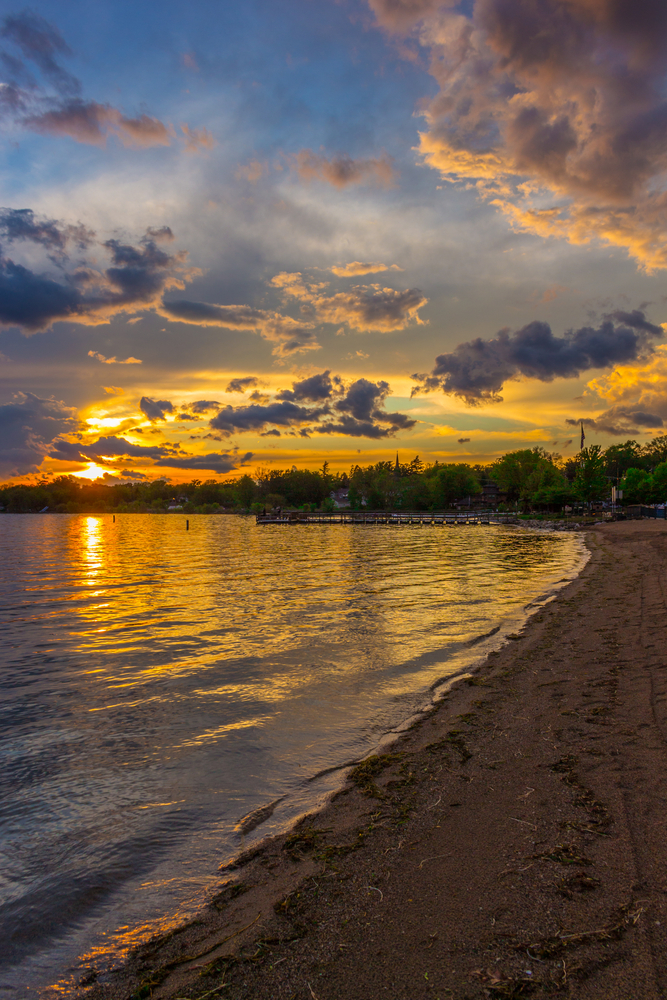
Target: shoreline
518 818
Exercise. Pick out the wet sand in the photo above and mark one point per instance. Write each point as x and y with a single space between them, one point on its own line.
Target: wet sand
513 843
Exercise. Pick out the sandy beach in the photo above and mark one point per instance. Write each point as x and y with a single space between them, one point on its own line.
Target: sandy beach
513 843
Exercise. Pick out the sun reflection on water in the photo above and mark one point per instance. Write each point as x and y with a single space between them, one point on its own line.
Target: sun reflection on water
206 673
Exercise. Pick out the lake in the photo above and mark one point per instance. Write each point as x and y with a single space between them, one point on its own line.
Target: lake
159 685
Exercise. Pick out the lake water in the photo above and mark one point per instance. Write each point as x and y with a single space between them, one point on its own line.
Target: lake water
158 685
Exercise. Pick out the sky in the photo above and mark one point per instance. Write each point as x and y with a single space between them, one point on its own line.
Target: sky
240 237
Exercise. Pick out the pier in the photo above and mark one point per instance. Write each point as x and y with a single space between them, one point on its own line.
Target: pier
393 519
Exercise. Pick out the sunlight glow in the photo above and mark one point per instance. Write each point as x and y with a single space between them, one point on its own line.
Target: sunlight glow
91 472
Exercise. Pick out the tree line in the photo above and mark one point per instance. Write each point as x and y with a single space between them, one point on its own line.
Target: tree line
527 479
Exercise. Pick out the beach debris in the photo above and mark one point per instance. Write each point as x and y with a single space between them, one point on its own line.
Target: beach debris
564 854
577 882
375 889
548 947
523 821
258 816
364 773
312 992
435 857
497 985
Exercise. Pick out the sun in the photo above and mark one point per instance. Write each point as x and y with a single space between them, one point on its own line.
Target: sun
92 472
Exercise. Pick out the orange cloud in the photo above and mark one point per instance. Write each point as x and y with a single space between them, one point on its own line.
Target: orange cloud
197 139
357 267
341 171
92 123
554 111
113 361
362 308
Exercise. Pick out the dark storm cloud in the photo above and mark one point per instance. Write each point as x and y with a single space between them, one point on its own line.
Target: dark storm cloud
219 462
33 301
287 334
313 389
22 224
254 417
27 427
105 447
160 455
620 421
363 413
356 410
203 314
204 405
136 279
155 409
477 370
241 384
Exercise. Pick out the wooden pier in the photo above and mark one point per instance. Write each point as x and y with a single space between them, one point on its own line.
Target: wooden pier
392 519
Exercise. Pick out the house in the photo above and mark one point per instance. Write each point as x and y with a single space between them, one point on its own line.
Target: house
340 498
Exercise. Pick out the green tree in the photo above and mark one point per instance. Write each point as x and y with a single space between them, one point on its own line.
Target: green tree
637 486
520 474
618 458
655 452
245 491
454 482
590 482
660 483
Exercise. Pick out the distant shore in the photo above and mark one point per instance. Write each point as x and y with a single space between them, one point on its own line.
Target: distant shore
511 843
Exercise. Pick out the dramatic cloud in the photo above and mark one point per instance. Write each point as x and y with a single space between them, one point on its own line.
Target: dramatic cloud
22 224
314 389
357 267
253 418
620 421
112 448
362 308
340 171
55 106
477 370
27 427
155 409
93 123
555 110
241 384
204 405
220 462
135 281
288 335
356 410
114 361
363 413
105 447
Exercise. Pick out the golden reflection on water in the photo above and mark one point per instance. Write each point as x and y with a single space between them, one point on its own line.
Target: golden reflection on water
210 671
170 602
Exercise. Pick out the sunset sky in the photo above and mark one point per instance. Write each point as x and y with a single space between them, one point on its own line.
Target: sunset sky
236 236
